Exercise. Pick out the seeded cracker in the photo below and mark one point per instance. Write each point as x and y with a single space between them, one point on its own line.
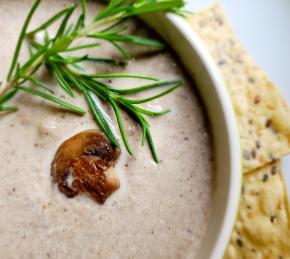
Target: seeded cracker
262 229
263 115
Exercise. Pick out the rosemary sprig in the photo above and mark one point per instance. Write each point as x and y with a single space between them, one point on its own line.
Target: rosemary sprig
66 69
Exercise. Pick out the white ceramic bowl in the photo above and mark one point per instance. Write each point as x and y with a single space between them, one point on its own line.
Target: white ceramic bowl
200 66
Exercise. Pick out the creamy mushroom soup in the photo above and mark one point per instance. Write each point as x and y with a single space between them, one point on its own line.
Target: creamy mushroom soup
159 211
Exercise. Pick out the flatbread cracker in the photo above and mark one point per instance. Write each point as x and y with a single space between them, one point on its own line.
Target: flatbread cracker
263 115
262 229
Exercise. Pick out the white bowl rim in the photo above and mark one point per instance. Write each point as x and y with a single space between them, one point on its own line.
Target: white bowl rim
235 183
236 179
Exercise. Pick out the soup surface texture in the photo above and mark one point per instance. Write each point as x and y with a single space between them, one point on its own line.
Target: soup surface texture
160 211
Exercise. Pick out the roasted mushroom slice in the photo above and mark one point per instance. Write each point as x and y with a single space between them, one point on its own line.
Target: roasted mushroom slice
84 163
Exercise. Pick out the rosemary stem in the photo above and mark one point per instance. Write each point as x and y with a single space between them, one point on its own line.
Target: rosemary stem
96 24
6 87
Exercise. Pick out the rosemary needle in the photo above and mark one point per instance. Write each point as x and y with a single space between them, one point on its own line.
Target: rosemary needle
51 98
105 26
21 37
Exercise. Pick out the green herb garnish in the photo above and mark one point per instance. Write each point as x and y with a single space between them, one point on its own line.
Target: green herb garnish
66 69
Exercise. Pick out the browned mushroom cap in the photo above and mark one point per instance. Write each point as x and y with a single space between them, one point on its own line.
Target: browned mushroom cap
82 164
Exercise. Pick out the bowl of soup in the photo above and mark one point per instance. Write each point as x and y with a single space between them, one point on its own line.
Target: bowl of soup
182 207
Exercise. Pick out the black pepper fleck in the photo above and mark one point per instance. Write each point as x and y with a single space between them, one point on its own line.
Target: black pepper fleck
240 242
273 170
265 178
272 218
257 99
268 123
253 153
258 144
